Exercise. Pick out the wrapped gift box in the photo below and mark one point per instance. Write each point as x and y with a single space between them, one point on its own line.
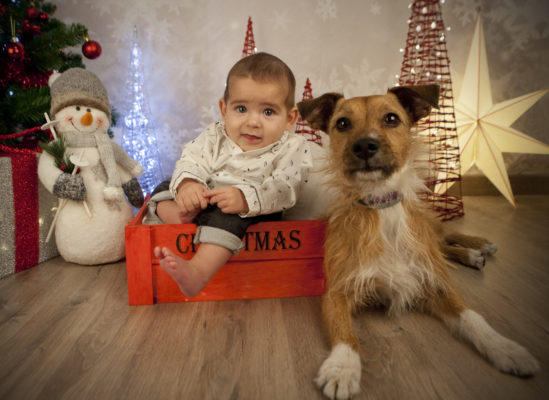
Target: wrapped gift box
280 259
26 213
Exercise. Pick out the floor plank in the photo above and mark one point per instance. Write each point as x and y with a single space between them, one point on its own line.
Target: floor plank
66 332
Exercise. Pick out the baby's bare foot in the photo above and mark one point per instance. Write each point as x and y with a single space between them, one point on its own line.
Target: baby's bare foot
182 271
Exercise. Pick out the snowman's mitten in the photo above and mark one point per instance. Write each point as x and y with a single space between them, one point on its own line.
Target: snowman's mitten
133 191
70 187
113 193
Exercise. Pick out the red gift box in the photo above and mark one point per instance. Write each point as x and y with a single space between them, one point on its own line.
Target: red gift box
21 192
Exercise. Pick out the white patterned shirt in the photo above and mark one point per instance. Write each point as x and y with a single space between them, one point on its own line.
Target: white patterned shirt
269 178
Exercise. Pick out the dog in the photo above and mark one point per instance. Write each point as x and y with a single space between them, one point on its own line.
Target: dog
381 246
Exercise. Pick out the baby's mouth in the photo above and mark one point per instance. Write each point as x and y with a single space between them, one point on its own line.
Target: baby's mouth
251 138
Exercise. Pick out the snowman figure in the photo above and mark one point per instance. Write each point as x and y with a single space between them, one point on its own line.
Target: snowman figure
90 225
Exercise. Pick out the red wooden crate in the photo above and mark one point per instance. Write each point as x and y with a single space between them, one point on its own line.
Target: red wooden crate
280 259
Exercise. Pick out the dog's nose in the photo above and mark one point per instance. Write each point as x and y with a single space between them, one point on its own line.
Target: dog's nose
365 148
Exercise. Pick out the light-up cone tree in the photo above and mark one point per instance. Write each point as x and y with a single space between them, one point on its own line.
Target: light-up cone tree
426 62
138 133
301 126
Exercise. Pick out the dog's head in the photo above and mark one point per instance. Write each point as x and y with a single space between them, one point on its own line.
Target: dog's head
370 136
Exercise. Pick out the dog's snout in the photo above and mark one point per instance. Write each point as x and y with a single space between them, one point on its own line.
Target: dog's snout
365 148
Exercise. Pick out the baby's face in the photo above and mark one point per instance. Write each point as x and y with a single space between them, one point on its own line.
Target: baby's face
256 114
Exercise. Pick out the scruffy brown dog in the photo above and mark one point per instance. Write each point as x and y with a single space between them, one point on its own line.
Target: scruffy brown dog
381 247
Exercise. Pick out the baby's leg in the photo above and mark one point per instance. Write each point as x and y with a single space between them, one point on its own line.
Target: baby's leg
192 275
170 213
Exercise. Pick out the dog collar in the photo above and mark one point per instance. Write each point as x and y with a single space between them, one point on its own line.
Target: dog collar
387 200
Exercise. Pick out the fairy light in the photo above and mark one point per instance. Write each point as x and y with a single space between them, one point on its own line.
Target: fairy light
424 62
138 134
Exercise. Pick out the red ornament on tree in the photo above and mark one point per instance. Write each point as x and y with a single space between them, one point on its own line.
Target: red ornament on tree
15 51
91 49
44 17
32 12
30 29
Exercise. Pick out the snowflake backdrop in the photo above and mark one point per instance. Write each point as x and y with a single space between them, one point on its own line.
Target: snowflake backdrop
349 46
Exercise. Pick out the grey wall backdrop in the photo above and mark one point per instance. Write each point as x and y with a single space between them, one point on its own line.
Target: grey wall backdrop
350 46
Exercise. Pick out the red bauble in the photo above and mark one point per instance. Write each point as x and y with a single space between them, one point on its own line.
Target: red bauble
30 29
91 49
32 12
44 17
15 51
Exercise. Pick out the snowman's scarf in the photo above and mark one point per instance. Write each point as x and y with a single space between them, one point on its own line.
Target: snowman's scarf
110 153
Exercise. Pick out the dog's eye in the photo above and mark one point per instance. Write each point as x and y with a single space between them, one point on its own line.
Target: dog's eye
343 124
391 119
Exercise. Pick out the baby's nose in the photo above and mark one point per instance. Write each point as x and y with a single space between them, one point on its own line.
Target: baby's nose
86 119
253 119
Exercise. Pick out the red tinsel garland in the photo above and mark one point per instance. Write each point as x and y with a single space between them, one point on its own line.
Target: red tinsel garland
16 150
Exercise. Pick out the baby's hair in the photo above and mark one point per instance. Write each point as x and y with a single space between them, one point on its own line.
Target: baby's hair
263 67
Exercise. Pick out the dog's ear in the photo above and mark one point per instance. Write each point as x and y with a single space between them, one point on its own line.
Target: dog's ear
417 100
318 111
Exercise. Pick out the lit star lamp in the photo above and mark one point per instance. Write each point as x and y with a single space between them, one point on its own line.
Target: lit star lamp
484 129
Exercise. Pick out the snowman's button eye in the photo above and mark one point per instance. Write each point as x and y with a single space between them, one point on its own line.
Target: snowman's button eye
77 108
88 110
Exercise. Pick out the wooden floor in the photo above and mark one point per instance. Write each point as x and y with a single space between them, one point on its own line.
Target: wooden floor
66 332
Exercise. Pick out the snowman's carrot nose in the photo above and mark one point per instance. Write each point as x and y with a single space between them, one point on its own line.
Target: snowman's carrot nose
86 119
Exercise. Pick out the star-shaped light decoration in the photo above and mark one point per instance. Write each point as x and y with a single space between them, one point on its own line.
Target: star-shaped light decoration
484 129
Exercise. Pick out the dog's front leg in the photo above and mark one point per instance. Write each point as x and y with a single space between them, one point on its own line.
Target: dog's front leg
339 375
505 354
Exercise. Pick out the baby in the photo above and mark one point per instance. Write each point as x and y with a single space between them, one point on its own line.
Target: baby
239 171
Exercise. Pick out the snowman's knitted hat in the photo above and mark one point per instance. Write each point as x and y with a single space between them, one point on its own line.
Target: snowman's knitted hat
77 86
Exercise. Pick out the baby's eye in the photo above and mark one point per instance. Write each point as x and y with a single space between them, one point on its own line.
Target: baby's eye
268 112
241 109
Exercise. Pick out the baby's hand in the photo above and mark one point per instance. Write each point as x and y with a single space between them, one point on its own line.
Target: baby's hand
229 199
190 196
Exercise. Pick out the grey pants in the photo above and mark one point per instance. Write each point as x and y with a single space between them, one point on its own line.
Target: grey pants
213 225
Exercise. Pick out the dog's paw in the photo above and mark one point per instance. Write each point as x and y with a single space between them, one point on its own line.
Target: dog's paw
505 354
488 249
511 358
476 259
339 375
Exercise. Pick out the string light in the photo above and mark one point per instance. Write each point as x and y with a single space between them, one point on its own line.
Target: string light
425 61
138 134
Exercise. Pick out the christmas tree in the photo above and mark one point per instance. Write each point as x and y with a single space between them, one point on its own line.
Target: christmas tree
138 134
301 126
426 62
33 46
249 41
